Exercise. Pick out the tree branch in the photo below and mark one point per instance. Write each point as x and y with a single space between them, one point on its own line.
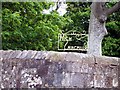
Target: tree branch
98 9
113 9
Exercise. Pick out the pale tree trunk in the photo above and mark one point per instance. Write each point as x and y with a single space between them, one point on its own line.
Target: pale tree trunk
97 29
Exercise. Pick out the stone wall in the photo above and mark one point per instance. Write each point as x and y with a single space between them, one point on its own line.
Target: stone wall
39 69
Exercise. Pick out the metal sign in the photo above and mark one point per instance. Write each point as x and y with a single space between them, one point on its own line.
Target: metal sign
72 40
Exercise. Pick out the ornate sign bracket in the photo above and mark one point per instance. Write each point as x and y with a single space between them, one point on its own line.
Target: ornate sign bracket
72 40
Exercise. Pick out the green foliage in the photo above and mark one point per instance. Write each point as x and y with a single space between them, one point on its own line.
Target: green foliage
111 46
25 27
79 13
111 43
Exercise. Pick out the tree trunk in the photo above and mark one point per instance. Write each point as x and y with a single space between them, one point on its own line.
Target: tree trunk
97 31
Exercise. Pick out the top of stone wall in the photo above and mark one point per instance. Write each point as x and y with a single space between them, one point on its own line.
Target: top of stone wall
57 56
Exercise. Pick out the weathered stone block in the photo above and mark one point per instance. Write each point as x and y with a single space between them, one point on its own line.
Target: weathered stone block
73 66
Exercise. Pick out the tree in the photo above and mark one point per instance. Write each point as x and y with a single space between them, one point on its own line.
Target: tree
24 27
79 12
97 29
